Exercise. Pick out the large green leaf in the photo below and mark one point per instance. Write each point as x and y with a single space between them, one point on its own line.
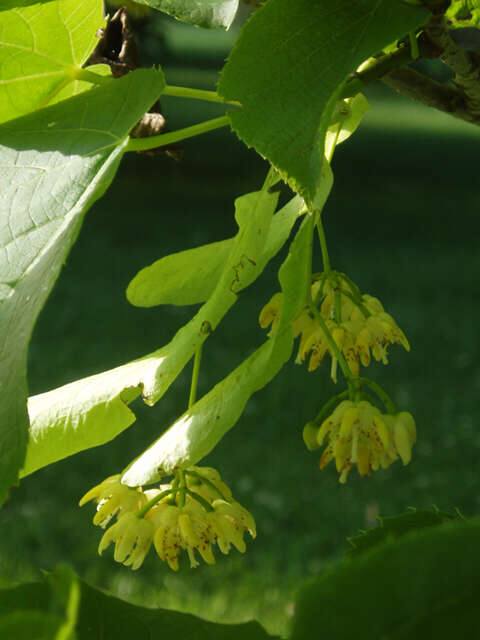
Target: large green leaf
203 13
42 45
201 427
189 277
54 163
94 410
288 67
61 603
422 585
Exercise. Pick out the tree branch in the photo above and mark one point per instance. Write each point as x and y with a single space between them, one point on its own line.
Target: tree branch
464 65
430 92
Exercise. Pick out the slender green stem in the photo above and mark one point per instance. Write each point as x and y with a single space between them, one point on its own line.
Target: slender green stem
206 505
414 45
338 303
206 481
196 369
182 487
90 76
174 489
352 284
196 94
151 503
333 345
384 397
328 406
323 246
152 142
312 223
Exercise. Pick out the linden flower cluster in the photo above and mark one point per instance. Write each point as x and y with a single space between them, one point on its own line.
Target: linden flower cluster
359 434
192 517
357 323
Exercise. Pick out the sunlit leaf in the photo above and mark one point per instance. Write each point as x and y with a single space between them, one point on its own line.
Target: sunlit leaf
288 67
203 13
42 45
54 163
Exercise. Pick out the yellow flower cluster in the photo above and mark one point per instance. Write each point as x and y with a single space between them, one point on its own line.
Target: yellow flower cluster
357 323
359 434
208 515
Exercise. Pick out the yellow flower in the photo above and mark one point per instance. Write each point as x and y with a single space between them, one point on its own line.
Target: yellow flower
174 516
113 499
403 430
363 327
270 314
132 537
185 528
359 434
229 521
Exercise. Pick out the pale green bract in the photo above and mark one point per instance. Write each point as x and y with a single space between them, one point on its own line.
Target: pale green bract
200 428
190 276
93 410
42 47
54 163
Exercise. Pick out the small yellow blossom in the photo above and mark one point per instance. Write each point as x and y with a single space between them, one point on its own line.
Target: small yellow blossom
185 528
113 498
132 537
270 314
358 324
359 434
191 516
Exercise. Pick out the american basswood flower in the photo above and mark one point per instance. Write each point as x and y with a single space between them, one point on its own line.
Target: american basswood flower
132 537
358 324
358 434
191 516
113 498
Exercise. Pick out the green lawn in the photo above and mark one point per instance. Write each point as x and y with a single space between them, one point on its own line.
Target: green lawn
403 222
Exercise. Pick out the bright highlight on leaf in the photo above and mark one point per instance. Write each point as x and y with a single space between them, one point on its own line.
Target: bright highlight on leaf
202 13
42 46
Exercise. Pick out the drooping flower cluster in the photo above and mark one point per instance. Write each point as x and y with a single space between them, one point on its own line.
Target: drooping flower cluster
357 323
193 516
357 433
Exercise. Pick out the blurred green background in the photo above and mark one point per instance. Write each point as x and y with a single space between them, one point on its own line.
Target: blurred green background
402 221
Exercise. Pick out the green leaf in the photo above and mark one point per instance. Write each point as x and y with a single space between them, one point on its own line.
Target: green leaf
189 277
203 13
396 526
203 425
286 76
424 584
42 46
94 410
54 163
101 616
